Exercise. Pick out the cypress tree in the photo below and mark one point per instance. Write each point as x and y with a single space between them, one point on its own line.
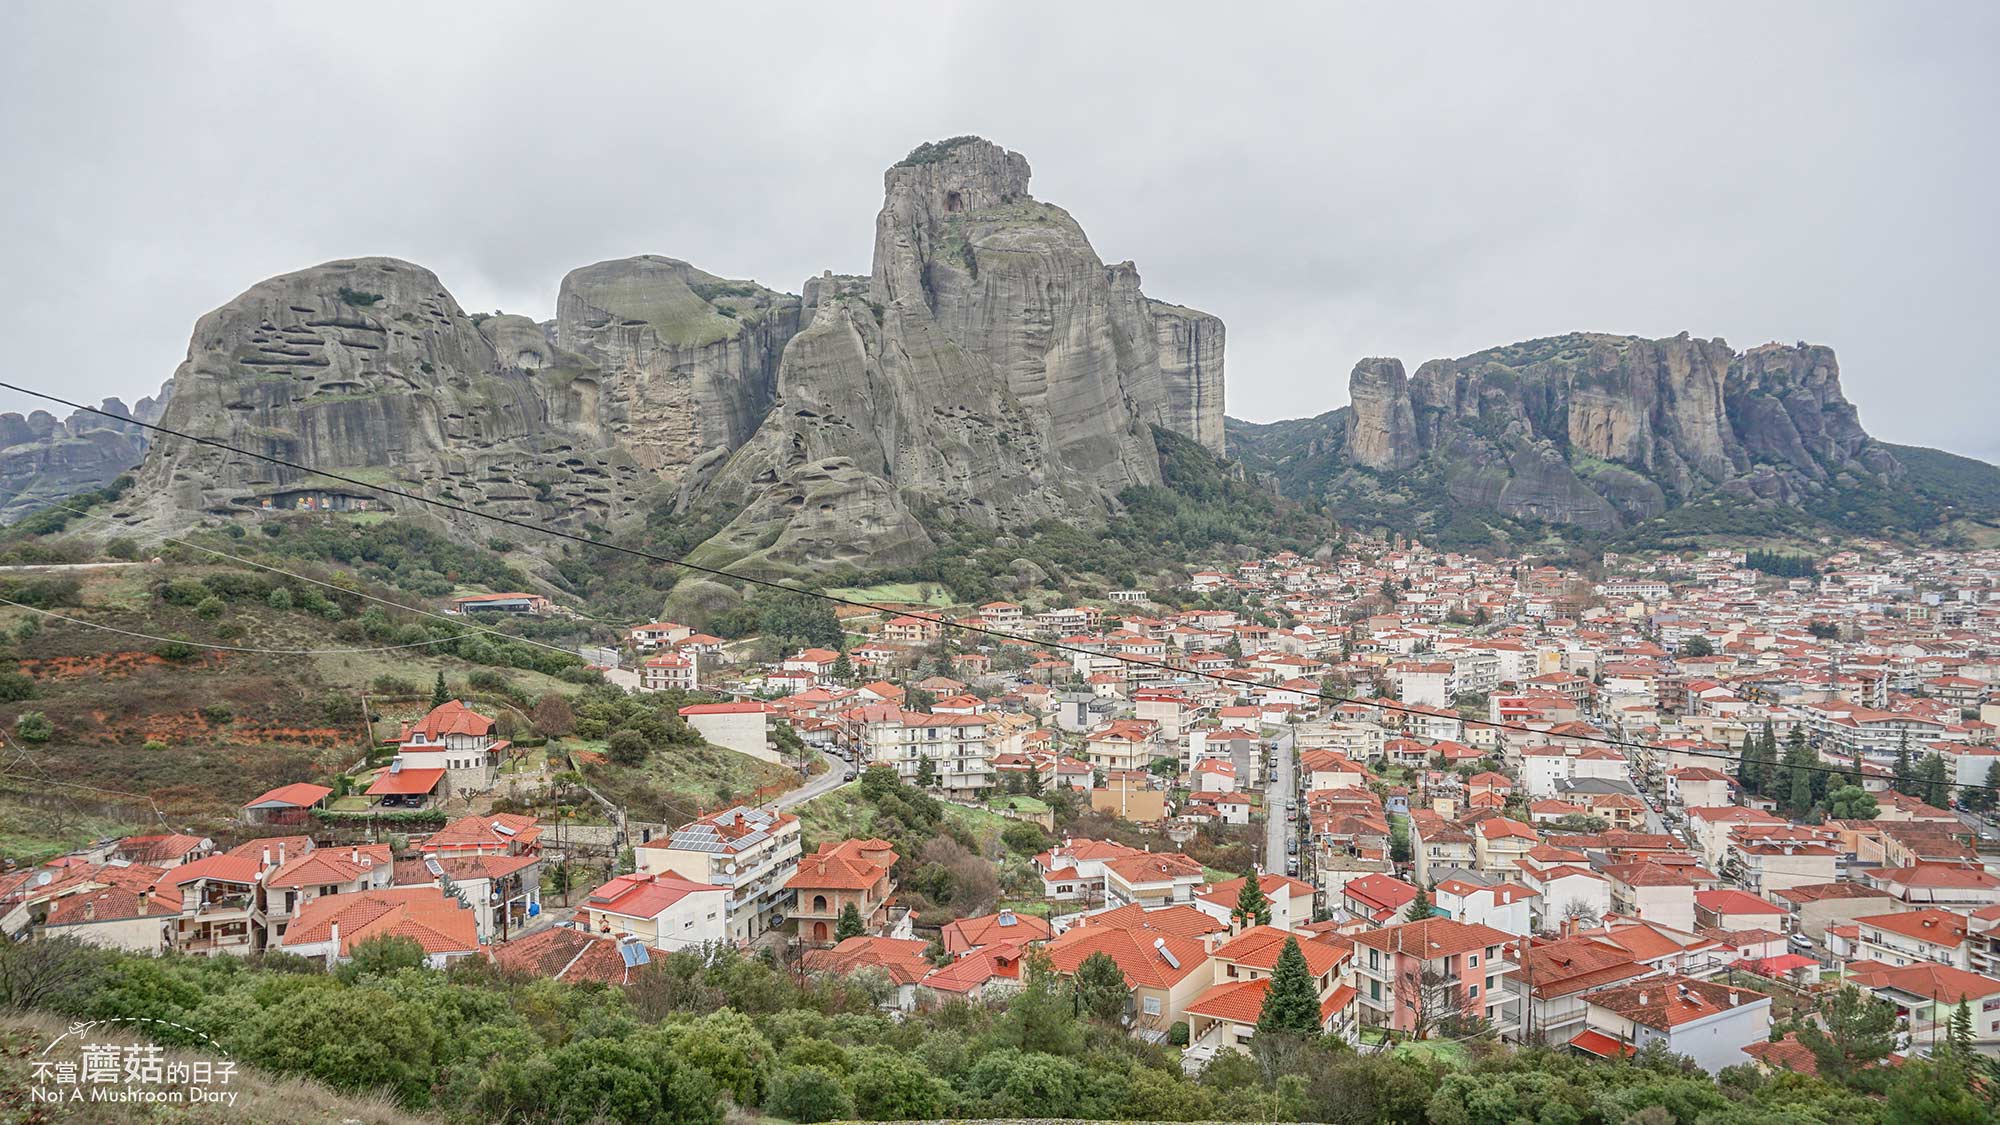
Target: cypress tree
440 695
849 924
1252 908
1291 1003
1420 907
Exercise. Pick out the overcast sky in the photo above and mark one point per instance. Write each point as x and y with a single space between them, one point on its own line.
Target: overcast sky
1333 182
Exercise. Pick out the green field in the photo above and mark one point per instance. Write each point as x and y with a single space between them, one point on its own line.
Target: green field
35 828
900 593
671 777
845 814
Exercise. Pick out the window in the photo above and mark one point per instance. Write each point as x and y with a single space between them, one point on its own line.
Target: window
1472 992
1152 1005
1472 962
1375 990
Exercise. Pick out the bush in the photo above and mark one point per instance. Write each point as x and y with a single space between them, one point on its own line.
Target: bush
210 607
177 651
15 687
33 726
627 747
807 1094
279 598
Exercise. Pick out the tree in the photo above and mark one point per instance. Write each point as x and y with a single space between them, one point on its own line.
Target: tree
1982 799
1420 907
1932 781
1252 908
1746 764
1958 1034
1440 1003
1860 1032
1903 778
440 695
1697 646
553 715
1399 845
807 1094
1851 802
1040 1017
927 772
1291 1003
382 955
843 669
33 726
849 924
1101 990
627 747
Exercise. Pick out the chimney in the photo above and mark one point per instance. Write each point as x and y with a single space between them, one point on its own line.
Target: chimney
1642 999
90 910
281 853
145 902
265 863
354 856
1734 999
333 935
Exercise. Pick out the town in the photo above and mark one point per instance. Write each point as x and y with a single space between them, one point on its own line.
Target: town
1677 801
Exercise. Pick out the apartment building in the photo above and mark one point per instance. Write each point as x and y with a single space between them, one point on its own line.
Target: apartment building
752 853
1427 975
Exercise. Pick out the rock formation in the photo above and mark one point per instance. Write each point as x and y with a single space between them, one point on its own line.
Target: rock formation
369 368
42 459
992 368
1590 430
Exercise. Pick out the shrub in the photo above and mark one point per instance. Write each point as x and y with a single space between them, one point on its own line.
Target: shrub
210 607
177 651
807 1094
15 687
33 726
279 598
122 548
357 298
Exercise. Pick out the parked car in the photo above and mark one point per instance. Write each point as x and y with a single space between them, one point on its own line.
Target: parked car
1801 942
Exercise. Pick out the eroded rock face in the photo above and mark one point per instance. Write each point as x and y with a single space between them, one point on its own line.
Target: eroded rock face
990 368
1190 344
43 460
688 361
993 368
1598 431
368 367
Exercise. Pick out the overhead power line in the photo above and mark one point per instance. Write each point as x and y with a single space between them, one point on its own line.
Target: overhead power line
799 591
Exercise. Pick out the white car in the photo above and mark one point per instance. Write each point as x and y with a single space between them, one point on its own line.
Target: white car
1801 941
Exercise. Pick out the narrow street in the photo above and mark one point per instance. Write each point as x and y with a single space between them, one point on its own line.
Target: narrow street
1280 824
833 778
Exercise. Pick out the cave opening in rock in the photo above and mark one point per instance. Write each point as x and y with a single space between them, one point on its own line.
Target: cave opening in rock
953 203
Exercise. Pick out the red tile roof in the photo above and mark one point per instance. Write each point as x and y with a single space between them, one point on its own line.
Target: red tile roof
424 914
644 896
405 783
1670 1001
298 795
903 960
1148 957
1432 938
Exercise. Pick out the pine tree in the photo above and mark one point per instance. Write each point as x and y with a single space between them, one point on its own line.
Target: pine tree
1860 1032
1799 763
927 773
1904 779
1291 1003
1252 908
440 695
1932 783
1746 764
843 669
1420 907
849 924
1958 1034
1101 990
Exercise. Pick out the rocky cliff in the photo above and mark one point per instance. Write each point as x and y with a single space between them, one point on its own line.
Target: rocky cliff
43 459
991 368
1589 430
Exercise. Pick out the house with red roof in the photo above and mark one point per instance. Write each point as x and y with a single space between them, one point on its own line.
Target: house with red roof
574 956
1506 906
1378 899
221 905
1726 908
662 911
901 960
1556 977
743 726
1290 900
166 850
1419 976
839 875
1500 843
136 916
1165 970
1930 934
1926 995
286 805
969 934
1224 1017
293 880
330 926
1709 1023
456 739
505 890
491 834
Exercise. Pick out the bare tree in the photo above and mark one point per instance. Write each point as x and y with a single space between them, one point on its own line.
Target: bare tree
1441 1005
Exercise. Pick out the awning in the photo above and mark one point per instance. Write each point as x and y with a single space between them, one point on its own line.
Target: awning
406 783
1599 1044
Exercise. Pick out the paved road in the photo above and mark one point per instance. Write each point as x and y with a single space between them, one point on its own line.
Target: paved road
832 779
1280 823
